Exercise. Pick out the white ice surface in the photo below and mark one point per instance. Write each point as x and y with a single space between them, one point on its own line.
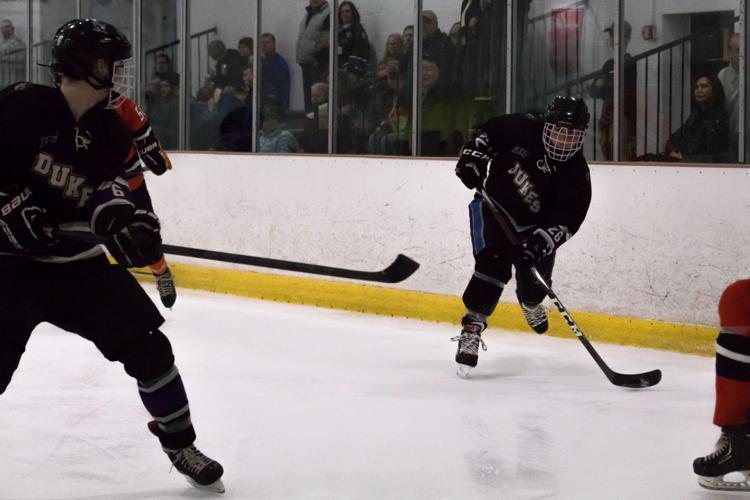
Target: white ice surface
305 403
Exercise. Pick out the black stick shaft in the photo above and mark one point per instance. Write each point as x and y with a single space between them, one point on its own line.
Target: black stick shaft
399 270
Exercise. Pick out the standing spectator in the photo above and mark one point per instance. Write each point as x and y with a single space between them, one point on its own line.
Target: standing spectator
245 47
437 46
12 55
274 138
275 81
704 137
730 80
408 35
353 41
228 68
234 114
316 129
603 88
312 42
456 35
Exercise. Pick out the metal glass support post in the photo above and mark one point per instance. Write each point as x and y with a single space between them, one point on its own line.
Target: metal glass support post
78 9
744 22
416 81
509 55
137 59
184 56
334 80
29 38
257 68
618 79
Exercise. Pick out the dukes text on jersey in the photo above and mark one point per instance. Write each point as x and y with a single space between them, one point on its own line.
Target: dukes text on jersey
525 187
61 177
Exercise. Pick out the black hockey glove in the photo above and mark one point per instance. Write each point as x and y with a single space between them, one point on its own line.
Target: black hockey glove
138 244
152 155
472 164
111 207
24 225
537 247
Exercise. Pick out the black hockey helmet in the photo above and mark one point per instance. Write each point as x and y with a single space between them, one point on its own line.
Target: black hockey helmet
79 43
565 124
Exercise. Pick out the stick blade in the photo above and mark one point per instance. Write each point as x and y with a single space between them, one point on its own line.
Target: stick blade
637 380
400 269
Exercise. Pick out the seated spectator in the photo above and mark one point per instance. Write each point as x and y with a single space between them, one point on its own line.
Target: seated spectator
456 36
353 41
275 80
203 132
393 136
316 127
444 114
408 35
164 115
704 137
394 48
245 48
163 70
730 81
12 54
236 127
274 138
227 71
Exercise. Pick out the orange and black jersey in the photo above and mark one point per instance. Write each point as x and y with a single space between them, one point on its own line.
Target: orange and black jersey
533 190
61 160
146 151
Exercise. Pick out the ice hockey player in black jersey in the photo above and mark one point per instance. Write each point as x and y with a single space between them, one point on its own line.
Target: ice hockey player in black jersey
535 174
64 150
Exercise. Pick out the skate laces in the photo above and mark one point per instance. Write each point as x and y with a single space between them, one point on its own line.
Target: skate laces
164 284
535 315
189 460
721 446
470 341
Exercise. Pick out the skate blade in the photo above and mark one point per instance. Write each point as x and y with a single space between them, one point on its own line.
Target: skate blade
463 371
720 483
215 487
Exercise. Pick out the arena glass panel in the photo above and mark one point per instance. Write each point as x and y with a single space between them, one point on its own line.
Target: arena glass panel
161 68
560 51
220 80
373 86
14 33
680 94
49 16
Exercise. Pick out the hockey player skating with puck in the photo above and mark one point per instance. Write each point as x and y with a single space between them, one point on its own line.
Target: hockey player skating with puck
732 410
147 154
535 174
65 149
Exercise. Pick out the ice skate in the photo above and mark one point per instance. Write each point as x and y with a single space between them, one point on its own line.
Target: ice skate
200 471
732 455
165 286
469 342
536 316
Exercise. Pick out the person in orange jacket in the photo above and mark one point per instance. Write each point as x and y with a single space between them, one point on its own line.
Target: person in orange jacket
146 154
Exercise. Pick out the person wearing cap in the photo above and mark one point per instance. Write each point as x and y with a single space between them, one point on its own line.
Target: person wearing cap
438 47
732 453
603 88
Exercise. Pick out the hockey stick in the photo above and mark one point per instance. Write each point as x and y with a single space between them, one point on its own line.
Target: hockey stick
633 381
399 270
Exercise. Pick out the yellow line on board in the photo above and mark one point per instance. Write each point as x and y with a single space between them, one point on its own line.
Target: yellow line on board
689 339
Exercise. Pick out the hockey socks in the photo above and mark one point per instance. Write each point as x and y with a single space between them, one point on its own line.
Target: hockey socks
165 399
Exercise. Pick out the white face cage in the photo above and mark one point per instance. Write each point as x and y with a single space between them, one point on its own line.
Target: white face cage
562 143
123 82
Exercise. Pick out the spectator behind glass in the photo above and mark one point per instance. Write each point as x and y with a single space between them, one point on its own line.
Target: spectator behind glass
12 55
456 36
353 41
438 47
164 114
236 126
245 48
394 48
163 70
275 80
730 81
703 138
274 138
313 41
603 88
408 36
228 67
316 128
442 113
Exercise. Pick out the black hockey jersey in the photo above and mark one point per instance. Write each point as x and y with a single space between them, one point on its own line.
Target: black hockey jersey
60 160
533 190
